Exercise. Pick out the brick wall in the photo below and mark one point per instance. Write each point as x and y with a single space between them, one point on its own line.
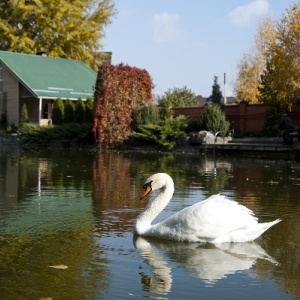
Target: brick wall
246 117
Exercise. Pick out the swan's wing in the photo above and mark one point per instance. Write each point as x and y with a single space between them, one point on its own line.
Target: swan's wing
209 219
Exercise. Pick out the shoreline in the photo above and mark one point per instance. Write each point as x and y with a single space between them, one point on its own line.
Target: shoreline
254 147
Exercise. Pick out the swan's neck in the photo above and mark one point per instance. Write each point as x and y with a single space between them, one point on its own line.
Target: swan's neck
154 208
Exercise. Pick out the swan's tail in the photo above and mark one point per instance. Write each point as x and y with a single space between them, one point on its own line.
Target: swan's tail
262 227
247 234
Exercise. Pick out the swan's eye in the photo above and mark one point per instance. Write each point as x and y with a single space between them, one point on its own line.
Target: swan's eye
146 189
147 184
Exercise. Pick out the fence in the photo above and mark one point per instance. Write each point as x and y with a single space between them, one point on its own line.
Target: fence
243 117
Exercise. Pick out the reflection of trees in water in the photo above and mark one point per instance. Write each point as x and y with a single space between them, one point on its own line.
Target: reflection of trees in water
187 170
62 170
208 172
8 178
288 252
274 185
215 183
26 255
266 180
111 182
284 242
113 197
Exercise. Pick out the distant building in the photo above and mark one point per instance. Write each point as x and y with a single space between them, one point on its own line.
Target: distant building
202 101
37 80
106 57
229 100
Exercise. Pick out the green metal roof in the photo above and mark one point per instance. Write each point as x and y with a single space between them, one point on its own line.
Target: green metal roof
51 77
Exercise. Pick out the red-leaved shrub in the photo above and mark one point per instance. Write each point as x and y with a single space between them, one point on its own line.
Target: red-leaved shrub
119 91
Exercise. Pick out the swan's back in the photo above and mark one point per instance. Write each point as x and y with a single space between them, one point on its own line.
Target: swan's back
216 219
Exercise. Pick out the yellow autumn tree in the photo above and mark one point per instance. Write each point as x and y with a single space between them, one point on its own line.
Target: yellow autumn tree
64 28
250 68
246 85
281 78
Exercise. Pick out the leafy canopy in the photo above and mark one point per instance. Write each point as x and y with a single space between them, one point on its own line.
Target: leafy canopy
178 97
253 63
281 79
64 28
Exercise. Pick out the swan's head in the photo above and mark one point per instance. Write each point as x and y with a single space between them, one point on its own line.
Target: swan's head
155 182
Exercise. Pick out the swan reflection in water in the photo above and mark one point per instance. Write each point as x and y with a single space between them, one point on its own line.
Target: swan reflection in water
208 262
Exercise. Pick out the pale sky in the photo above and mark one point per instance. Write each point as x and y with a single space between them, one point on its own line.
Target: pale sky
186 43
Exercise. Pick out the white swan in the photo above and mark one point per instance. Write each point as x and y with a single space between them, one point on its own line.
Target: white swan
215 220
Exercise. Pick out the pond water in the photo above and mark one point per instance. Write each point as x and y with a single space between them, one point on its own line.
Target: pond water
66 222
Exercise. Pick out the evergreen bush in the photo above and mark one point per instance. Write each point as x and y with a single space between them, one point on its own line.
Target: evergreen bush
67 134
89 110
146 115
28 128
164 134
69 111
213 119
58 112
79 111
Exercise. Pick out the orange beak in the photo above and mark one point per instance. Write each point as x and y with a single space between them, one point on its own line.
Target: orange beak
146 191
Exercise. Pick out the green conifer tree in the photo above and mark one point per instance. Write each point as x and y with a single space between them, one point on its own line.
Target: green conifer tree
89 110
69 111
58 112
213 119
79 111
216 95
